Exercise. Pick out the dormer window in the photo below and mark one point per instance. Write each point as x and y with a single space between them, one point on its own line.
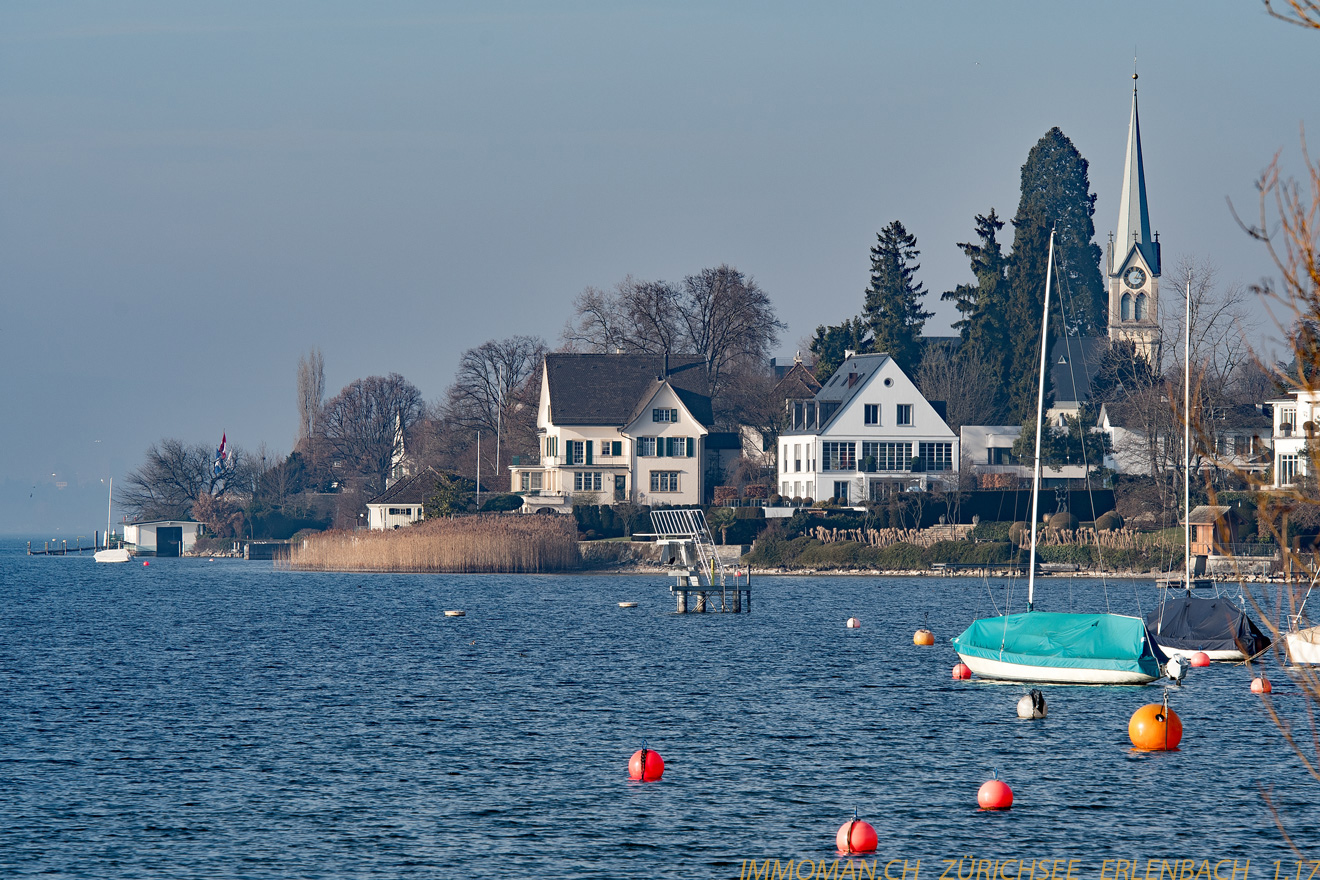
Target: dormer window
664 415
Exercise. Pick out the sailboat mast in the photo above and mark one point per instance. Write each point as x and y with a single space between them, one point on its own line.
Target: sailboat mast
1187 438
109 503
1040 419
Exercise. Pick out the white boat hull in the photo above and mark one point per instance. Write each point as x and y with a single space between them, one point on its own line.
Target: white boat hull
117 555
1304 646
1006 671
1213 655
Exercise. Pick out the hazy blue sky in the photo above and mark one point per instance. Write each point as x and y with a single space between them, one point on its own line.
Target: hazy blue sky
191 195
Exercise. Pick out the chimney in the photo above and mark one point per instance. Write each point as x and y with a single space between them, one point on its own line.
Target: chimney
852 379
847 353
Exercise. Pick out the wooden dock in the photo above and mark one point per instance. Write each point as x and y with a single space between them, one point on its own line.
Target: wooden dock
62 548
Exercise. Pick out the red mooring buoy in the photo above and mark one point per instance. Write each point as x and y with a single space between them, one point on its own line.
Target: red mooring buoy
962 671
646 765
995 794
145 563
1261 685
1200 658
856 836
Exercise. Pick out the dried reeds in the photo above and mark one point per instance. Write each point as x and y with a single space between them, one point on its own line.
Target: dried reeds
509 543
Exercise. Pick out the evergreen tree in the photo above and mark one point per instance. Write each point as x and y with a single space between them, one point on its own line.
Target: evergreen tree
1055 195
985 333
829 344
893 311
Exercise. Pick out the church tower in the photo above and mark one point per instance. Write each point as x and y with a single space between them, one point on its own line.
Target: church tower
1134 257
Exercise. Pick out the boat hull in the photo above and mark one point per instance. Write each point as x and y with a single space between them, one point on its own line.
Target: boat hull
116 555
1043 646
1006 671
1304 646
1215 656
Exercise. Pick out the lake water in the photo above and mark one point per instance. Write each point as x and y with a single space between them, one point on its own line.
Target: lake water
225 719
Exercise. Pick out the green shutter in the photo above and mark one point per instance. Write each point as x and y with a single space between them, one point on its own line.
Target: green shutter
588 458
616 447
691 447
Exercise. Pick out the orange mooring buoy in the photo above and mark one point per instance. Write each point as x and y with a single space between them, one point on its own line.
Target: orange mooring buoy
1261 685
1200 658
962 671
856 836
1155 727
923 637
646 765
995 794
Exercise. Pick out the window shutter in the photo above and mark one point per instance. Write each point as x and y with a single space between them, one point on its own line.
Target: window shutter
616 447
660 447
691 447
588 458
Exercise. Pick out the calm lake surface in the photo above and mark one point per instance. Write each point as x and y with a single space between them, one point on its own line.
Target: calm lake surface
225 719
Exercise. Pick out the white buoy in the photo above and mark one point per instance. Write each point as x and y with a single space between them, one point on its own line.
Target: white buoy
627 604
455 614
1031 705
1176 669
853 623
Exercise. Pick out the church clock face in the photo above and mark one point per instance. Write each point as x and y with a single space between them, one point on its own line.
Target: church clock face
1134 277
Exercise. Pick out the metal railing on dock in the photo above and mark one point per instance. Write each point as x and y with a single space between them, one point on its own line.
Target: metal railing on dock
704 582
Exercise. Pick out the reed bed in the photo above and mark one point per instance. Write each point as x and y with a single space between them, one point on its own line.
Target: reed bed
494 543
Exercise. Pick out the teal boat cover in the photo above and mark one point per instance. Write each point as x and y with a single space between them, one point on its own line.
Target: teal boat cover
1078 641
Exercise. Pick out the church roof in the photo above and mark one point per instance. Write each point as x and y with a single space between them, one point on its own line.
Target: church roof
1133 212
1076 361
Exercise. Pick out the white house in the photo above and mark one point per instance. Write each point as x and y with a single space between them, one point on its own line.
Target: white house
987 451
403 502
866 433
166 537
1295 421
619 427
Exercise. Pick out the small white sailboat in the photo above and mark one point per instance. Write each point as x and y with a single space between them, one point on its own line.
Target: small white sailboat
118 554
1303 643
1045 646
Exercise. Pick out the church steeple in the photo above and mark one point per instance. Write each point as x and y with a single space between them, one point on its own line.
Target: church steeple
1134 256
1133 213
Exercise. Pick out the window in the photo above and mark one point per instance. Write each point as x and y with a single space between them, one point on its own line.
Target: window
872 413
787 493
530 480
664 415
936 456
1125 307
839 456
904 414
886 456
664 481
1287 470
551 446
797 457
1140 311
400 511
611 447
586 481
841 490
1287 420
645 447
577 453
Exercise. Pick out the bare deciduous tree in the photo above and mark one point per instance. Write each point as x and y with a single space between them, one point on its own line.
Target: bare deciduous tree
358 424
963 380
496 391
311 391
719 314
174 474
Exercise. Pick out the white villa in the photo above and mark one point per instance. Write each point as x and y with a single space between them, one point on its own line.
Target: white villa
619 427
866 433
1295 421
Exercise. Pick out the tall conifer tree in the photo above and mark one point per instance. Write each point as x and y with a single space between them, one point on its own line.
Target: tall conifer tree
1056 194
893 309
985 334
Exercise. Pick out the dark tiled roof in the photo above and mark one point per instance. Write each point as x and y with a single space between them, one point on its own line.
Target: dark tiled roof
841 387
1244 416
1208 513
410 490
610 389
723 440
1076 361
797 384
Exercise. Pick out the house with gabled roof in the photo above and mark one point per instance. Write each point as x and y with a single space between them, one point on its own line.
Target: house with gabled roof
866 433
619 428
403 502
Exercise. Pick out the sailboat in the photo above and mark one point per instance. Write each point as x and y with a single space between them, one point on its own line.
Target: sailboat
1042 646
1187 624
119 554
1303 643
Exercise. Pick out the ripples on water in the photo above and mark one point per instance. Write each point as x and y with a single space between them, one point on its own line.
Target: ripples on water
222 719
